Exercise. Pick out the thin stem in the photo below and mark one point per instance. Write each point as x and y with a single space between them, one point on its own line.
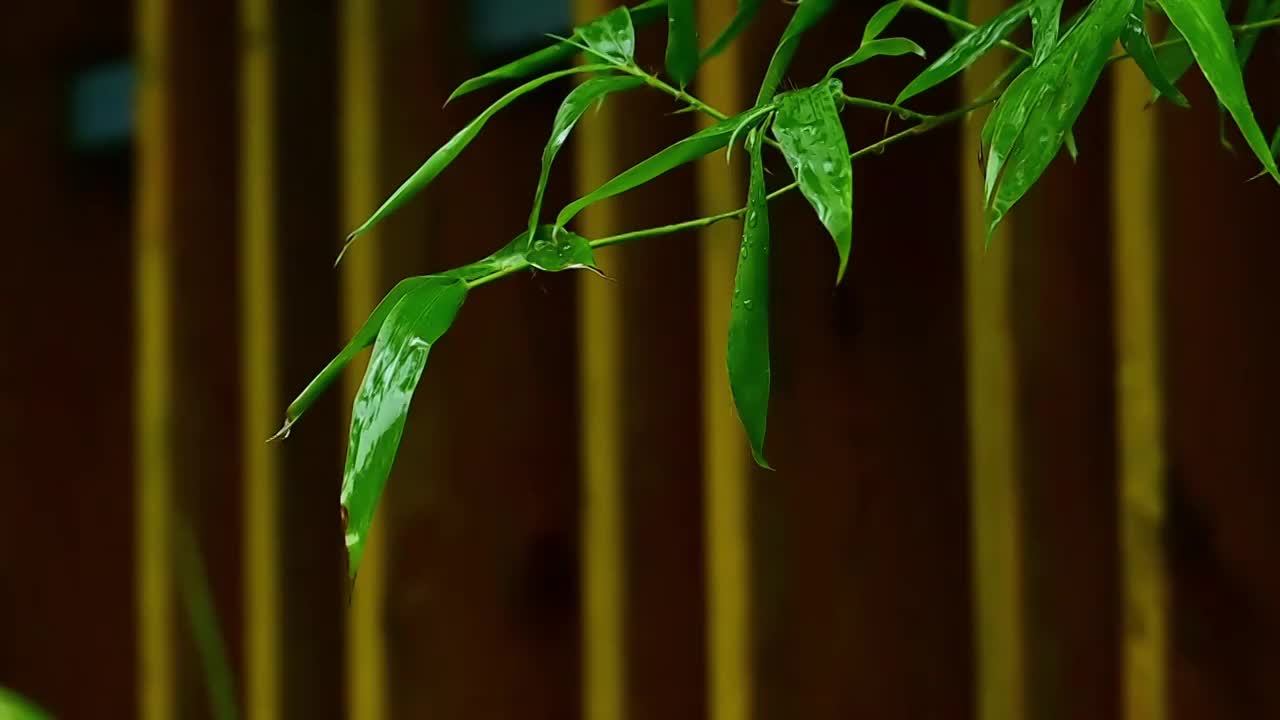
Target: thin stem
950 19
886 107
1236 29
658 83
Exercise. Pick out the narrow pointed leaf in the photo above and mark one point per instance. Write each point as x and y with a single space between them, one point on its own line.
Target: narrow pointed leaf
748 351
880 21
377 420
1136 42
1045 16
747 11
573 107
16 707
806 15
554 55
808 128
682 152
877 48
682 41
552 250
363 338
611 37
1204 25
1041 105
966 51
452 149
1175 57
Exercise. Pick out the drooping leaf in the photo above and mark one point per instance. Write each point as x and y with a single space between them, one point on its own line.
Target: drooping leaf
611 37
16 707
363 338
880 20
960 9
552 250
1205 28
1175 57
578 101
1036 112
441 158
808 128
806 15
1045 16
747 10
557 54
377 420
748 347
684 151
1137 43
876 48
966 51
682 41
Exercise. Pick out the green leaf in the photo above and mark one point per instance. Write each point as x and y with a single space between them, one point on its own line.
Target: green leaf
557 54
452 149
1256 11
876 48
1037 111
966 51
377 420
578 101
1204 25
807 14
1275 143
611 37
1175 57
748 351
808 128
15 707
1069 139
685 151
960 9
682 41
1136 42
363 338
552 250
1045 16
880 21
747 11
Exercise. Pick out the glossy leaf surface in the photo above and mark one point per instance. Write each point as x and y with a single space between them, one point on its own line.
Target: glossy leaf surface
806 15
611 37
879 21
1045 17
1036 112
808 128
748 350
557 54
575 104
687 150
747 11
418 320
441 158
968 50
1175 57
1137 43
552 250
1204 25
682 41
15 707
877 48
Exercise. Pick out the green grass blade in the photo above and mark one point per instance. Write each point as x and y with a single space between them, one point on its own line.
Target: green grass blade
1136 42
748 347
966 51
682 41
806 15
747 11
377 420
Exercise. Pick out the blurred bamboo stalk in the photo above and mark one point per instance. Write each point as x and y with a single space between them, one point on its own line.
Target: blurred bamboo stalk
996 507
726 463
603 533
1138 264
358 38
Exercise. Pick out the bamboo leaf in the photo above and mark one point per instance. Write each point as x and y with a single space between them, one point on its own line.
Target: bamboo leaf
578 101
552 250
807 14
16 707
960 9
1175 57
416 323
441 158
612 36
1255 11
808 128
880 20
682 152
747 11
748 347
1040 106
877 48
1204 25
682 41
1045 16
966 51
1275 144
557 54
1136 42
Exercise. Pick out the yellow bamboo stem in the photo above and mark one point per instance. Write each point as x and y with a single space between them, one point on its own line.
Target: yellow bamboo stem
1135 226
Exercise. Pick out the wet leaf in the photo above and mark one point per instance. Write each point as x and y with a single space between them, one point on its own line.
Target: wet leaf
552 250
1175 57
1137 43
966 51
806 15
611 37
452 149
416 323
682 41
16 707
808 128
1204 25
578 101
876 48
880 20
747 11
1038 109
685 151
557 54
748 351
1045 16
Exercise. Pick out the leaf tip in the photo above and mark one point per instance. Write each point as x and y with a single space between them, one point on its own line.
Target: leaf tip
284 430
